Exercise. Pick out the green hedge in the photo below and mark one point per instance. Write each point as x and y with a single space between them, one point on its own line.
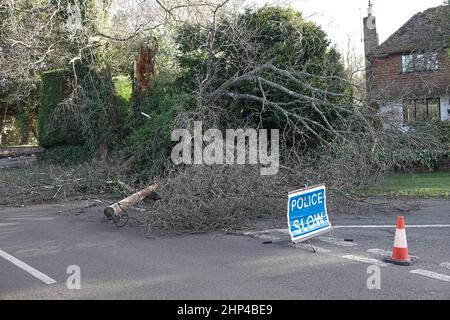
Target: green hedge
66 155
52 131
431 155
150 141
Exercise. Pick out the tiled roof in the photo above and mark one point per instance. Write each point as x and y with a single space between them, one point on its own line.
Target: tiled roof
428 30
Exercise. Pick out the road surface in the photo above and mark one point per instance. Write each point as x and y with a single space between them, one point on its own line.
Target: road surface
39 244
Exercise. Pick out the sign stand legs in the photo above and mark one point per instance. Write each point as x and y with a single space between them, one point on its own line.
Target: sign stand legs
312 247
288 241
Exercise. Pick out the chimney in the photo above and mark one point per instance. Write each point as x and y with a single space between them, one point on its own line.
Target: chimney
370 40
370 31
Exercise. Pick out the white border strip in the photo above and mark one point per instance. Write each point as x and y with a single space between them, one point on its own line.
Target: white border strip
432 275
365 260
366 227
393 226
22 265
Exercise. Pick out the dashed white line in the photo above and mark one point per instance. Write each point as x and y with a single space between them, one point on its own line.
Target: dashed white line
432 275
365 260
364 226
445 265
35 273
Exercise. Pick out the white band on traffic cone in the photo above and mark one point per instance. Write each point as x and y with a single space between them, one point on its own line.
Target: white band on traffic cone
400 239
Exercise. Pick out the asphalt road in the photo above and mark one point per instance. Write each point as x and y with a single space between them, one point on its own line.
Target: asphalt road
124 264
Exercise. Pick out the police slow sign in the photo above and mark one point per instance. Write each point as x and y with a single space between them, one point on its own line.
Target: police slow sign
307 213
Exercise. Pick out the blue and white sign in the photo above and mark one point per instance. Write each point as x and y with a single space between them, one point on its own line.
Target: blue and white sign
307 213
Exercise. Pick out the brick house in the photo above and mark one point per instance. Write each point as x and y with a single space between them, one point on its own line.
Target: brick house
408 75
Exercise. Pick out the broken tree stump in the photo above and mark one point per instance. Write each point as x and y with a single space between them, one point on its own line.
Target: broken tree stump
120 207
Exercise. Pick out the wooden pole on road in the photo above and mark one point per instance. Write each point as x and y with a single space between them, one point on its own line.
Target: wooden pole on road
119 207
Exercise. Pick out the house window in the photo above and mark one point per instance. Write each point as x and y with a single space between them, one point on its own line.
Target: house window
421 110
420 62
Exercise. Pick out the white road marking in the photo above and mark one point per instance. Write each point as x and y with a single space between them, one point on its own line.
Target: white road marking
365 260
35 273
368 226
445 265
337 242
392 226
432 275
380 252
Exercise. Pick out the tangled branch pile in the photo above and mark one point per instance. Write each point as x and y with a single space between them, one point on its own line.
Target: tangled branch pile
201 198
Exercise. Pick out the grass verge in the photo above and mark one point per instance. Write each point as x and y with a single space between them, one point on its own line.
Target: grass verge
420 185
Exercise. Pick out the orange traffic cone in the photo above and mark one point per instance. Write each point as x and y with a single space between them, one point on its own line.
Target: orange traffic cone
400 255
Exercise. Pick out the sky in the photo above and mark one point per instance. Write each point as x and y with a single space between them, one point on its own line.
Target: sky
341 19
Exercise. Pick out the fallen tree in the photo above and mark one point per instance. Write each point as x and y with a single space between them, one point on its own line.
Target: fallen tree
118 208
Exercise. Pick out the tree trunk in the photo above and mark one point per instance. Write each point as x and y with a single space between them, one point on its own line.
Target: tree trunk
143 73
25 133
24 118
121 206
3 125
